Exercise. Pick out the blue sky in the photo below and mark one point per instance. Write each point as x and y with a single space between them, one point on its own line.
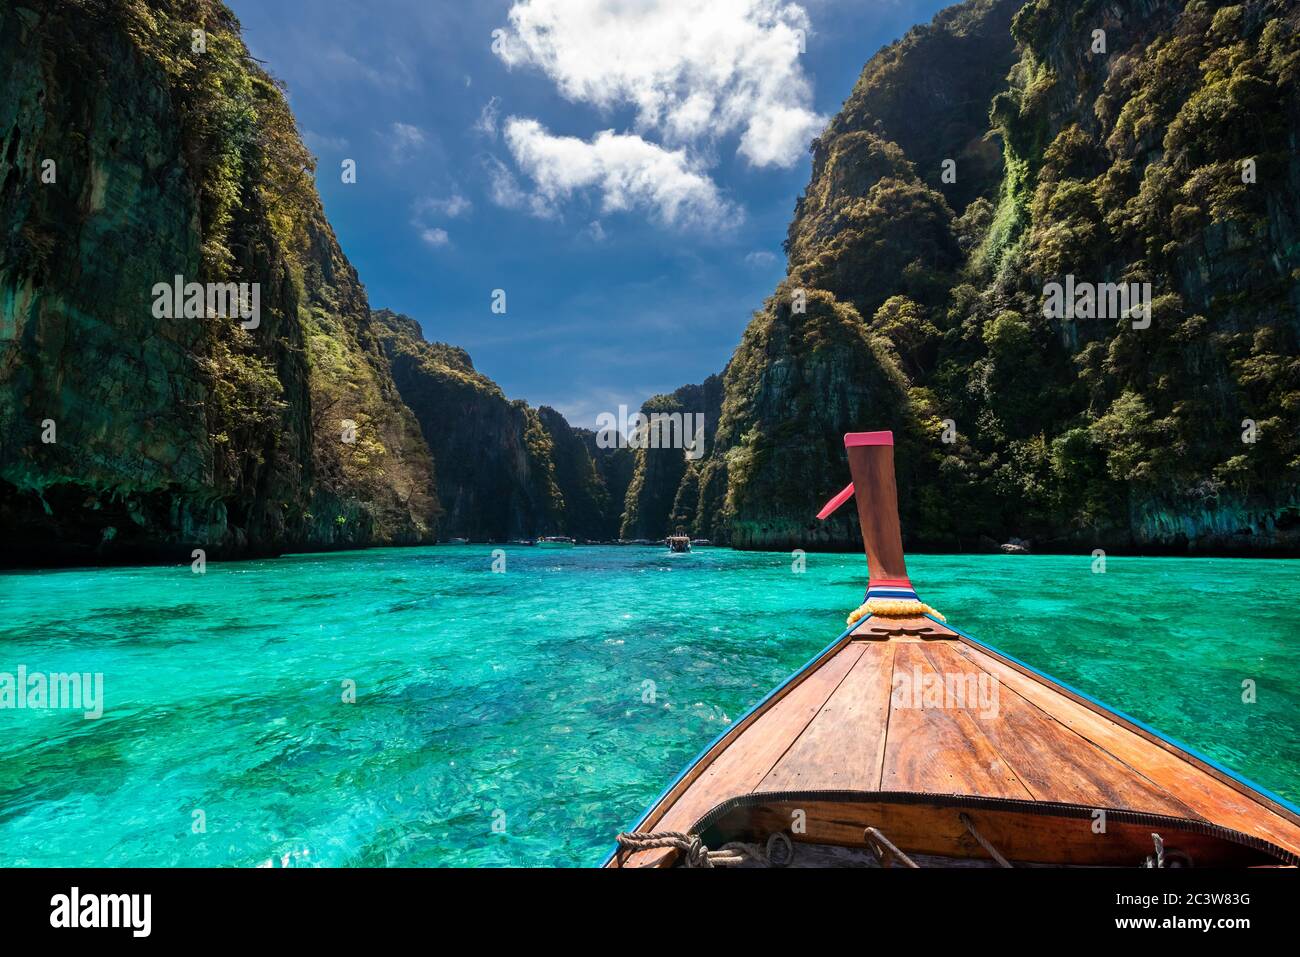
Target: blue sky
623 169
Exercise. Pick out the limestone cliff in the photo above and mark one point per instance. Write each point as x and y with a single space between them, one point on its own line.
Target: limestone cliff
140 143
496 475
505 470
999 149
592 481
1155 142
656 501
1148 142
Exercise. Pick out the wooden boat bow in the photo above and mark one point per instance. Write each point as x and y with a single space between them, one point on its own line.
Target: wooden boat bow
947 747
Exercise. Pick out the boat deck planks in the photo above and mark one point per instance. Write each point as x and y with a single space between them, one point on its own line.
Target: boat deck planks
1023 734
1199 789
842 728
858 709
941 750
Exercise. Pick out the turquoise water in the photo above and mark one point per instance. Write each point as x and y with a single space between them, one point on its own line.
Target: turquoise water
515 701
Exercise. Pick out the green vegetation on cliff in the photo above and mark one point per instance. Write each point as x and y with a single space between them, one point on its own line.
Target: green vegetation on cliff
174 154
1001 148
1169 159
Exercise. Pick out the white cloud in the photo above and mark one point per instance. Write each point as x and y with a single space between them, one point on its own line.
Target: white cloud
487 118
626 171
694 70
760 259
505 191
451 207
422 210
595 231
406 139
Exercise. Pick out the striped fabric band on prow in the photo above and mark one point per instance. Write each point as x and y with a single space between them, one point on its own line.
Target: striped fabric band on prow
891 598
893 588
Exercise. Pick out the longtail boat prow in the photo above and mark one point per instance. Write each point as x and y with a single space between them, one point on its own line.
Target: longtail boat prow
907 743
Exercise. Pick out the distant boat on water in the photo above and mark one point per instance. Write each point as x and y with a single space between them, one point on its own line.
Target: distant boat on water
679 542
556 541
457 541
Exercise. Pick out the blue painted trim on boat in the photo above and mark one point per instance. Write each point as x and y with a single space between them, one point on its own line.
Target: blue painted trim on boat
1240 779
725 731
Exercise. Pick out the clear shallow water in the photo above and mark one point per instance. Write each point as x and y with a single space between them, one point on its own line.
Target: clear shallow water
517 697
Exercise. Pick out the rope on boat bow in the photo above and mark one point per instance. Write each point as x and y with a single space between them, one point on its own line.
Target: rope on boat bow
696 854
885 849
891 608
1166 856
984 842
891 598
693 850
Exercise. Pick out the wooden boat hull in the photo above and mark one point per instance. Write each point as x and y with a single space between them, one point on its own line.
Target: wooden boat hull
948 748
1055 778
1027 832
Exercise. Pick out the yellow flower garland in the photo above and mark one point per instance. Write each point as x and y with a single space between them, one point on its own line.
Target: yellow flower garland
892 608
